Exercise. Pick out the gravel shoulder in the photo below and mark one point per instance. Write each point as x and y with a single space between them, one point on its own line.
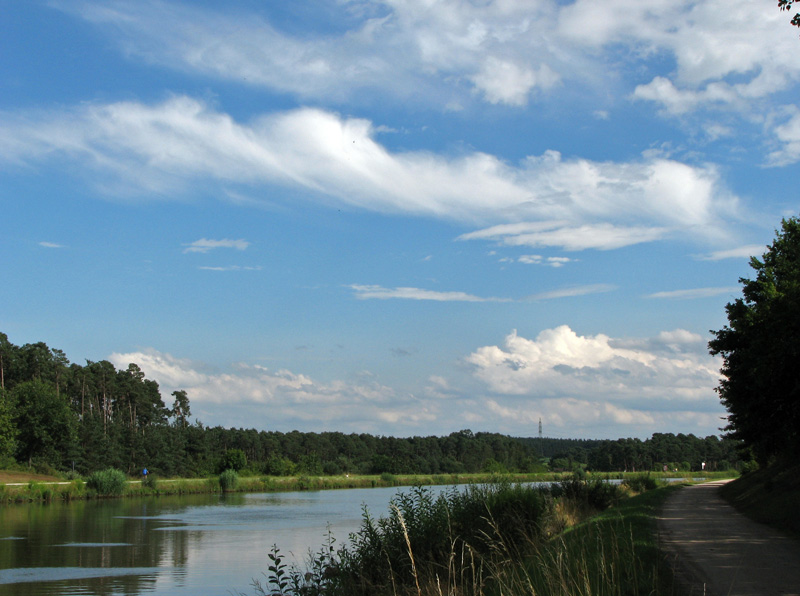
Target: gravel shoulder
716 551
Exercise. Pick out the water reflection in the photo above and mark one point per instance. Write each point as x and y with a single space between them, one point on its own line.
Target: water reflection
189 545
197 544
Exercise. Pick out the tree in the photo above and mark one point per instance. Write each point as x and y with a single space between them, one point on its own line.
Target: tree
45 422
8 430
761 380
180 407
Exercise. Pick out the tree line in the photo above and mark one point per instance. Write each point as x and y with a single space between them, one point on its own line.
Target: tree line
61 416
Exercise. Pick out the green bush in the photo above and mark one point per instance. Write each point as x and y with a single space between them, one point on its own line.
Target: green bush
108 482
388 478
228 480
596 493
641 483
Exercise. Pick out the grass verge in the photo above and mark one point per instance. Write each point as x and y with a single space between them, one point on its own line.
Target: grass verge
769 496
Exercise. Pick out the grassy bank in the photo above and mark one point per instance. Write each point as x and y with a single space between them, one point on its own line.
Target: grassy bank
769 496
21 487
18 487
580 537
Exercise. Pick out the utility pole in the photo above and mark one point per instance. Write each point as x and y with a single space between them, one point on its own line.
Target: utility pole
541 442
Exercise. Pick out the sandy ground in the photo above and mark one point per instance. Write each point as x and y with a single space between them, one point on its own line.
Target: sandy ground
719 552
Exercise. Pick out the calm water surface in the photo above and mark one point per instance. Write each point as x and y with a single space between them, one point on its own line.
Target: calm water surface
196 544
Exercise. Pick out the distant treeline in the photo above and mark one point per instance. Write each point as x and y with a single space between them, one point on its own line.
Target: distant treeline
57 415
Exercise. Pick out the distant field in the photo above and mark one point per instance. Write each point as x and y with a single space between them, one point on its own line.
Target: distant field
6 477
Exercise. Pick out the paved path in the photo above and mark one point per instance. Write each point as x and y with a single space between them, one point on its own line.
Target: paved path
719 552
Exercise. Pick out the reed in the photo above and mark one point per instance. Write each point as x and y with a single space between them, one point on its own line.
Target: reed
491 540
107 483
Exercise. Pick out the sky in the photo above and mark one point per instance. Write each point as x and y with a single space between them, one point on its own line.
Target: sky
398 217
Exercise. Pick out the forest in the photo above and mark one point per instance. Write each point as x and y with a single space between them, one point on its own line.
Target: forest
58 416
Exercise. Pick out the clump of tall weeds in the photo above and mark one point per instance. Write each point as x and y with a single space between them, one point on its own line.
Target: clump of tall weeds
108 482
480 540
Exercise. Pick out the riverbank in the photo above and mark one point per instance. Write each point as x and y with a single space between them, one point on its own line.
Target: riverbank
20 487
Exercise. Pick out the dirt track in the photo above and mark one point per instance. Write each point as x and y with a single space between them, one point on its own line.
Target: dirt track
719 552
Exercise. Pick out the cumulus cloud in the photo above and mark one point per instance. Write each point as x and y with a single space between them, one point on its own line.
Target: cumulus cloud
292 400
715 62
574 383
205 245
509 83
540 260
183 144
641 376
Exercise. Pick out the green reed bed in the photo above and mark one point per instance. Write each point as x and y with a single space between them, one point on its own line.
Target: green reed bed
152 485
498 539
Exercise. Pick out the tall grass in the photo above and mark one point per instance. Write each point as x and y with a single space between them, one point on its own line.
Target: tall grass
108 483
490 540
228 480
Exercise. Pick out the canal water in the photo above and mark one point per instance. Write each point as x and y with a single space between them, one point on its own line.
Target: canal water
185 545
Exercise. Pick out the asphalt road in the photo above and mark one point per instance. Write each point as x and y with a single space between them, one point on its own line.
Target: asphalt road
716 551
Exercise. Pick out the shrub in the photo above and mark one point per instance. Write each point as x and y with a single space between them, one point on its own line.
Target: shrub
388 478
73 490
595 493
108 482
228 480
641 483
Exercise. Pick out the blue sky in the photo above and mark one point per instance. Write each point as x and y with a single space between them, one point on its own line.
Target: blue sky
404 217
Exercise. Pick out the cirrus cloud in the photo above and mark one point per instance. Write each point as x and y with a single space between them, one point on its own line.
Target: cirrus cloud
183 144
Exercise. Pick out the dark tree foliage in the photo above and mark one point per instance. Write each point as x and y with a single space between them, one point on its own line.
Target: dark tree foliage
761 352
57 414
676 452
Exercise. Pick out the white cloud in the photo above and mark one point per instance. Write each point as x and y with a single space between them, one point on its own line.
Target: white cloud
290 399
603 236
694 293
562 364
378 292
183 144
582 386
740 252
723 53
205 245
402 48
51 245
540 260
573 291
506 82
787 136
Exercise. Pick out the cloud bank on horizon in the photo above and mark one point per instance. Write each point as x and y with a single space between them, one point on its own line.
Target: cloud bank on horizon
334 216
